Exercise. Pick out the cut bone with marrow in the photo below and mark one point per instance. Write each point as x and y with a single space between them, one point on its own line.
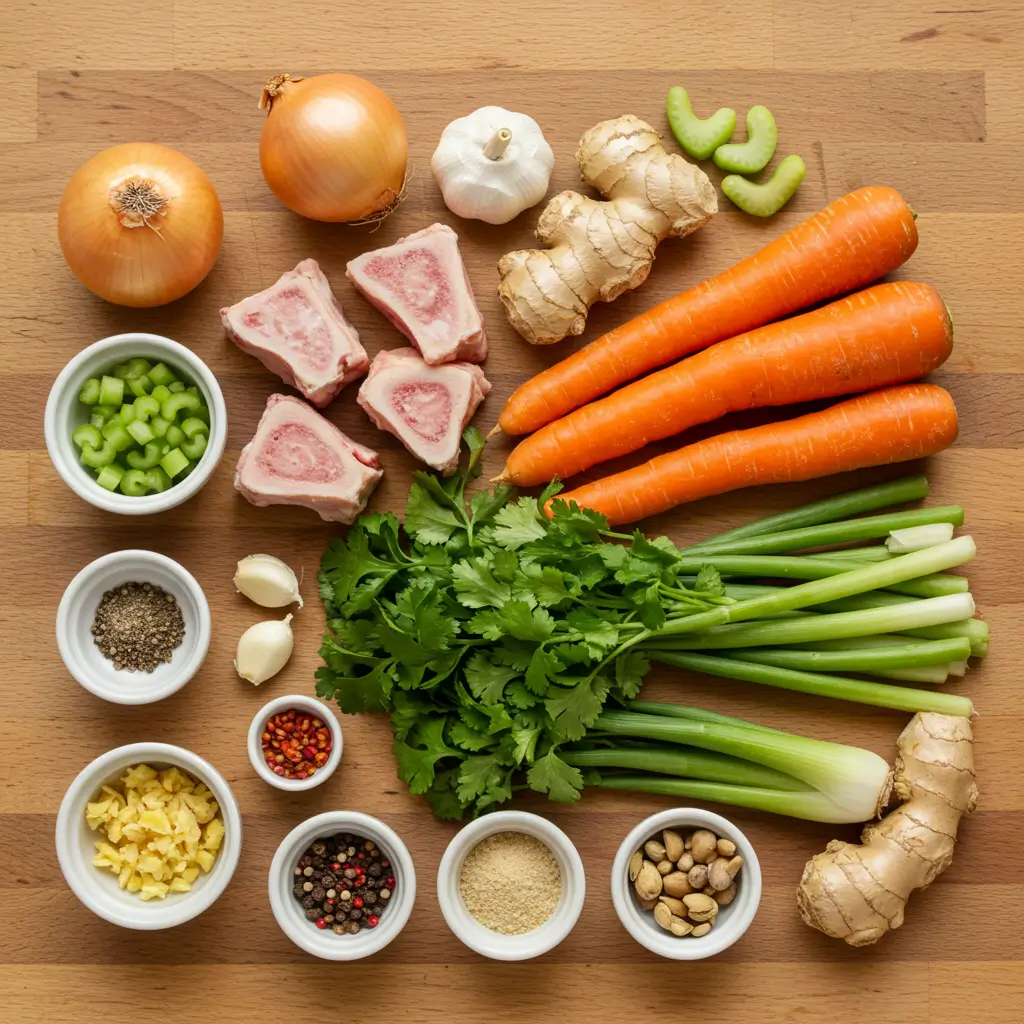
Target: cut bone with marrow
296 457
297 329
420 285
425 407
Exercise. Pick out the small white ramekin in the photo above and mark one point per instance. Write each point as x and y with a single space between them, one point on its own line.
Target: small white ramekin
732 920
97 888
78 608
316 708
482 939
64 413
288 911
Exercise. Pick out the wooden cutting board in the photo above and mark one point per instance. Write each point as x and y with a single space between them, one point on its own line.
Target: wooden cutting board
926 100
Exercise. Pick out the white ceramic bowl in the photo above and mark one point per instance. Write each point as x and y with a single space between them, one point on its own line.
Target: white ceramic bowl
96 887
493 944
78 607
314 707
732 920
288 911
64 413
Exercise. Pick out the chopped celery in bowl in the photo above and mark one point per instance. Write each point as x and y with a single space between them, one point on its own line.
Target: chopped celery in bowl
135 424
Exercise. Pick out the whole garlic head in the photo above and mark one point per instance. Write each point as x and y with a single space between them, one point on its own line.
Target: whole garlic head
492 164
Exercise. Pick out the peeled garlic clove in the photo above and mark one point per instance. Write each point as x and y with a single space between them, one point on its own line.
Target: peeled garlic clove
264 649
267 581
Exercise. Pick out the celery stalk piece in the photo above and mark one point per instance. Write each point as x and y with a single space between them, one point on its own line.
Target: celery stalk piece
176 386
136 367
117 434
852 659
857 781
900 541
140 431
160 374
843 506
935 674
87 434
111 391
871 553
182 400
779 632
159 425
203 413
120 371
134 484
193 425
194 447
830 534
109 477
160 392
98 458
174 435
146 459
140 386
158 480
90 393
146 407
174 462
104 412
686 762
127 413
859 691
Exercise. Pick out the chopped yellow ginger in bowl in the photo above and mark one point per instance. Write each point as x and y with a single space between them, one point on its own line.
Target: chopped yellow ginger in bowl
162 829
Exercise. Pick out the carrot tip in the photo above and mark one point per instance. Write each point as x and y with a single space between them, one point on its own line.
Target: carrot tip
502 478
496 430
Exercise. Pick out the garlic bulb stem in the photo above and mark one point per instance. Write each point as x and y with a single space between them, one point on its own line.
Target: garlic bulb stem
497 144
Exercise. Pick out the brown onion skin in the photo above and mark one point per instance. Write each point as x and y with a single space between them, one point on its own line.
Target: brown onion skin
136 266
331 175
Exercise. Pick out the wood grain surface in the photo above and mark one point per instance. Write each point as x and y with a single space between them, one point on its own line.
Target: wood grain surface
922 96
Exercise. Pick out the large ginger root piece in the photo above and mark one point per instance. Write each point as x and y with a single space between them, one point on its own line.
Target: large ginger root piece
600 250
858 893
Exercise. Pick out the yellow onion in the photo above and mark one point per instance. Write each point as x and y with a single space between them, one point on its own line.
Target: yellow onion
333 147
140 224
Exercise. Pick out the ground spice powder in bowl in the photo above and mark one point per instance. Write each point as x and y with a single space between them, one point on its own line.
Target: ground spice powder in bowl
511 885
510 882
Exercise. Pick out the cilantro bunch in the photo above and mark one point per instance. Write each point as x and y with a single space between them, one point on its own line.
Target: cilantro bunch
493 634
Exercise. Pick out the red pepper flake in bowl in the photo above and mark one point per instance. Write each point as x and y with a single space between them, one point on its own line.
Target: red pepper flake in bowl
296 743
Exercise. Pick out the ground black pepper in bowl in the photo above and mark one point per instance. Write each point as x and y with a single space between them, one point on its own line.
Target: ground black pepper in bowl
138 626
344 882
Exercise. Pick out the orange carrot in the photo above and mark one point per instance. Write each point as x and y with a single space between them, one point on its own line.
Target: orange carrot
852 242
892 425
886 334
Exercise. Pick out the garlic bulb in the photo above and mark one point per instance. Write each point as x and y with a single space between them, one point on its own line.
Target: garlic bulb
267 581
264 649
492 164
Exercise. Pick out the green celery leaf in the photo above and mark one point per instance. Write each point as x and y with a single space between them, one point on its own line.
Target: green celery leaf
551 775
417 758
630 670
519 524
476 586
486 679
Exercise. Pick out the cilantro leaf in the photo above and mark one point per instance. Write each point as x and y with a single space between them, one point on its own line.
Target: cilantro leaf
476 775
630 670
574 709
417 758
526 730
597 632
469 739
542 668
488 623
356 693
551 775
518 619
517 694
487 680
426 520
518 524
546 584
476 586
555 487
570 520
484 504
442 797
709 581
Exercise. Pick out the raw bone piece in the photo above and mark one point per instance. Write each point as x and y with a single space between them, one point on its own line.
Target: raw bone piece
425 407
420 285
296 329
297 457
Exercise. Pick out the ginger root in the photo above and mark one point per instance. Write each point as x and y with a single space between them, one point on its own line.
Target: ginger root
858 893
600 250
